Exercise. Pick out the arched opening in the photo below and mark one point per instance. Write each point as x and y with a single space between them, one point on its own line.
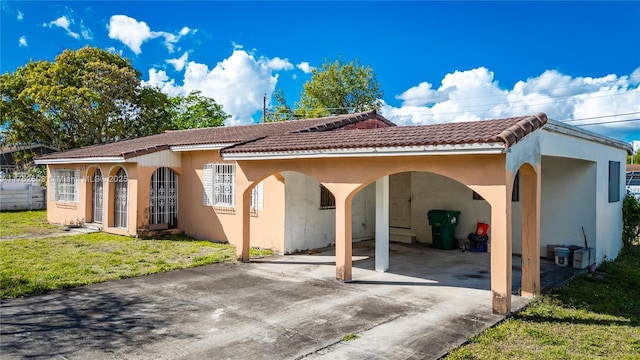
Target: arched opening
97 195
121 198
309 213
163 199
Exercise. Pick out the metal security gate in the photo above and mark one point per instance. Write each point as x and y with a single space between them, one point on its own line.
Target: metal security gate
163 200
120 211
98 206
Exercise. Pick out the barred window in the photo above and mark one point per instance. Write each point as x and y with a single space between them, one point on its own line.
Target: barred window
219 185
327 200
65 185
257 197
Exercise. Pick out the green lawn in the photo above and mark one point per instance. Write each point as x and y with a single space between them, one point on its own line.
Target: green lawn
16 223
596 316
33 265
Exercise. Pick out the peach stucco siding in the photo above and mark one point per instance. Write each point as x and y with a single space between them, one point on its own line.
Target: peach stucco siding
223 224
67 213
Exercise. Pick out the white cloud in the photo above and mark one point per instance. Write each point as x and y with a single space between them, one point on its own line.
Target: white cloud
63 22
238 83
279 64
475 95
114 50
160 79
134 33
129 31
22 42
85 32
305 67
20 15
179 63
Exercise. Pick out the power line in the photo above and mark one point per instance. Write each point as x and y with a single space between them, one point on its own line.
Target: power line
601 117
487 107
609 122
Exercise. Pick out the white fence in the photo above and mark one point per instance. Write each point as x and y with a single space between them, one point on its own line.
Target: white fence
21 194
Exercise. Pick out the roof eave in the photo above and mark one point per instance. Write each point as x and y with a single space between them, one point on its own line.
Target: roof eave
83 160
566 129
200 147
422 150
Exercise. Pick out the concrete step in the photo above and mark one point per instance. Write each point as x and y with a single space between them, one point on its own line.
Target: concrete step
93 226
402 235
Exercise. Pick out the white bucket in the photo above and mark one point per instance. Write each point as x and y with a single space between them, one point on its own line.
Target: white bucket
562 256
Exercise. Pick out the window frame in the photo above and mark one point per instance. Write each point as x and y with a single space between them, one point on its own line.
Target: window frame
614 181
219 185
327 199
66 185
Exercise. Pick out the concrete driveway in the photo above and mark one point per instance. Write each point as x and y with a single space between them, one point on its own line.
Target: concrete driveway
280 307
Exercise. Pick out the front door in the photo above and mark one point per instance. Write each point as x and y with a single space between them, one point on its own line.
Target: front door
97 197
400 200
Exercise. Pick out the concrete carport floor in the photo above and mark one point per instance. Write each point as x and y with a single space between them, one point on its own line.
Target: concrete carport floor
279 307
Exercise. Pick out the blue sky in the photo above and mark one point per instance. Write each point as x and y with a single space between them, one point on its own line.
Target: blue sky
436 61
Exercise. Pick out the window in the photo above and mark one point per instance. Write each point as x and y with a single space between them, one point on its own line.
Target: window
614 181
65 185
327 200
257 197
121 199
219 185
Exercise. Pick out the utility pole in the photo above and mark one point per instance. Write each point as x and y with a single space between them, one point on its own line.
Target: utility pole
264 108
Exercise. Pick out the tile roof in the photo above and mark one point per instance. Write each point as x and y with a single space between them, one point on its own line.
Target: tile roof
507 131
226 135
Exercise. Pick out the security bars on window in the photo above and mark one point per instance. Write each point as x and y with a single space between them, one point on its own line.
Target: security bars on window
65 185
163 200
97 189
120 211
219 185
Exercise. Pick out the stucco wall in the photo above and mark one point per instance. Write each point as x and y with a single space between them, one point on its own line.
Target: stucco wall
218 224
80 211
432 191
309 227
568 202
65 213
606 234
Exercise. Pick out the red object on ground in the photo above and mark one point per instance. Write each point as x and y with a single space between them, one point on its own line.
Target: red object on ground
482 229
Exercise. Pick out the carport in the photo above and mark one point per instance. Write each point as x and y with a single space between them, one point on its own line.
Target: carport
479 155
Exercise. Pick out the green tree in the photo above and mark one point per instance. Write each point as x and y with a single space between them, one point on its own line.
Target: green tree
631 222
84 97
196 111
282 111
339 88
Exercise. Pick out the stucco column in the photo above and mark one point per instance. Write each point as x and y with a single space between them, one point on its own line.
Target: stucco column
531 189
501 250
343 239
382 224
243 209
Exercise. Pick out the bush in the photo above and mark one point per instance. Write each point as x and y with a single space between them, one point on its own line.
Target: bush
630 222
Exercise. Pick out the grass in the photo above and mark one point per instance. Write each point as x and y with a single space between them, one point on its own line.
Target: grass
350 337
34 266
594 316
25 222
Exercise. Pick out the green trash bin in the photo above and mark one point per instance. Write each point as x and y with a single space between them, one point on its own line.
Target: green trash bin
443 228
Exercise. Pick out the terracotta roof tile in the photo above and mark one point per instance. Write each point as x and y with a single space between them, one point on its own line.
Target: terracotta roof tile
217 135
507 131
